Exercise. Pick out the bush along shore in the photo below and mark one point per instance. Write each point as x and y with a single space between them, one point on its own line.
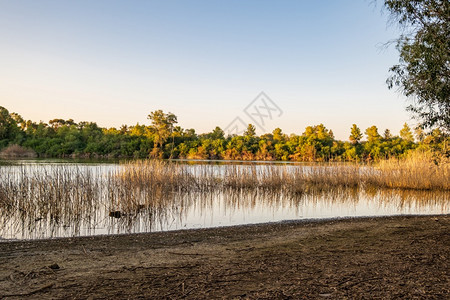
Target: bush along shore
16 151
163 139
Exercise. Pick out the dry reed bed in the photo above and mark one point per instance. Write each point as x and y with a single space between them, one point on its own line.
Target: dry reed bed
152 183
58 193
418 170
146 215
148 193
153 187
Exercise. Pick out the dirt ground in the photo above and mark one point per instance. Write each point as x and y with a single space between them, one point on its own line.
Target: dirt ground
362 258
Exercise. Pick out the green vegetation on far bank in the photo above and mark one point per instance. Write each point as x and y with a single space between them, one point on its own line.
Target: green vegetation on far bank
163 139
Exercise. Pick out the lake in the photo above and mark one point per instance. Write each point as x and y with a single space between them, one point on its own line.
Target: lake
81 199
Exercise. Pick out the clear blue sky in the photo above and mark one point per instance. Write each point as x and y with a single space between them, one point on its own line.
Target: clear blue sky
115 61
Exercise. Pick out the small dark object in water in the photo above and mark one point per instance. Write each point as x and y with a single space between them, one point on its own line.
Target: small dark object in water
54 218
54 267
38 219
115 214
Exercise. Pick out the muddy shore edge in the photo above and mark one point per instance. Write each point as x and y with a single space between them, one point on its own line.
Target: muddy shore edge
381 257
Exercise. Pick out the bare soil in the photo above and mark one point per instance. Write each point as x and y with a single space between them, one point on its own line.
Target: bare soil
362 258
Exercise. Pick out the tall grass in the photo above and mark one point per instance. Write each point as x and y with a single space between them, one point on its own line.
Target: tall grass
34 196
141 183
148 193
53 192
418 170
67 195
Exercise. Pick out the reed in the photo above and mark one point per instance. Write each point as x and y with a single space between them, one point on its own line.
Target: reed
70 194
150 183
418 170
35 196
145 194
153 184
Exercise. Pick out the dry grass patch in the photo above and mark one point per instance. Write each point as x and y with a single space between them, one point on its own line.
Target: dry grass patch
16 151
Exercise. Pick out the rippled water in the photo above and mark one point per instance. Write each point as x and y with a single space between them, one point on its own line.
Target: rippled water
184 210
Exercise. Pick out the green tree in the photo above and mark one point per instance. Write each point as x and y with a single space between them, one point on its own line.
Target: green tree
278 135
19 120
8 127
331 134
189 134
217 134
57 123
406 134
355 134
162 126
387 134
423 72
251 131
372 134
420 134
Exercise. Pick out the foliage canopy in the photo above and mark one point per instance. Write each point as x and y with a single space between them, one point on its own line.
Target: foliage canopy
423 71
162 139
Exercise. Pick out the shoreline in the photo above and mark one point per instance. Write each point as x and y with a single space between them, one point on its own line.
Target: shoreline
295 222
376 257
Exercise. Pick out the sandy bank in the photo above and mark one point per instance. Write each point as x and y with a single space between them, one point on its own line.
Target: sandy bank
391 257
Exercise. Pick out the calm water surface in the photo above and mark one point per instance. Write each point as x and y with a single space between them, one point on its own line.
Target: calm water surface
201 210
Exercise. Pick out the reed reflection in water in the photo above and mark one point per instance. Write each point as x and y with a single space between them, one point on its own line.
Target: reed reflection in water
63 201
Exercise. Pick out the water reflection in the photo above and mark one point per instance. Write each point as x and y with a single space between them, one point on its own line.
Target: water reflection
78 200
200 210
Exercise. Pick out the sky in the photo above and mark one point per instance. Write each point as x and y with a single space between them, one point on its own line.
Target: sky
206 61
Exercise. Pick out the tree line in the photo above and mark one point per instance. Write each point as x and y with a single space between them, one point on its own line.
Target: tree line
164 139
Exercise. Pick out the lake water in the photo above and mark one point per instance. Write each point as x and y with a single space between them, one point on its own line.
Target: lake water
186 210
